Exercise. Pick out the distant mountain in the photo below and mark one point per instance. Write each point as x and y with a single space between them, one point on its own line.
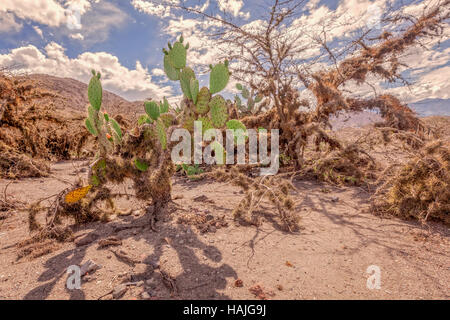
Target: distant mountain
431 107
73 96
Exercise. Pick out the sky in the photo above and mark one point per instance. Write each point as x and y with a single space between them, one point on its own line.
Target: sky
123 39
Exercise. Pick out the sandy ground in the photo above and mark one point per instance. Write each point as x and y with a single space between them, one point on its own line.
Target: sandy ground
326 259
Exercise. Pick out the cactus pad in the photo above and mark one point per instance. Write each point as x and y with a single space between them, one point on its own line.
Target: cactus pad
171 72
185 81
194 89
161 131
177 55
219 77
95 93
219 112
152 109
90 127
203 98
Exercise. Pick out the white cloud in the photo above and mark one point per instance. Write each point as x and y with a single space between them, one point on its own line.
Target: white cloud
8 23
38 31
97 23
133 84
77 36
48 12
150 7
233 7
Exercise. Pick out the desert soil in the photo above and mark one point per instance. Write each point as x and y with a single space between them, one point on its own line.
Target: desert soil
326 259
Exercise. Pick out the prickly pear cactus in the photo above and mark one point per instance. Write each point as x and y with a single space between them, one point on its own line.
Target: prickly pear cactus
161 131
185 81
218 78
177 55
253 100
100 124
219 112
202 105
152 109
95 91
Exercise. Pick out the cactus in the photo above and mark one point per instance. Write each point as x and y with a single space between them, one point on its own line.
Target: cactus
164 106
116 128
219 77
161 131
152 109
185 81
252 100
177 55
194 85
141 165
91 127
144 119
206 124
236 125
95 92
218 109
202 105
171 72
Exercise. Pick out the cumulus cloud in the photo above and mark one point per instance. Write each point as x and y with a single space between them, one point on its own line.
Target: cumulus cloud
8 23
132 84
47 12
233 7
161 9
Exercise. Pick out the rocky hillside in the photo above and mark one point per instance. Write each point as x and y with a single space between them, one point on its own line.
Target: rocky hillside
73 95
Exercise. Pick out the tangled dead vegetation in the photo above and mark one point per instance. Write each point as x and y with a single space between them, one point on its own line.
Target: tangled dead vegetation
33 130
419 189
274 189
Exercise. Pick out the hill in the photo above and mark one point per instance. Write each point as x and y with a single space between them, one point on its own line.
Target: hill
74 95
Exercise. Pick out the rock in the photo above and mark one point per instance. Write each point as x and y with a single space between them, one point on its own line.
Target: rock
119 291
212 229
89 267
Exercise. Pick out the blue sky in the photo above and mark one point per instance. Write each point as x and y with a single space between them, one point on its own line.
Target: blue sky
124 39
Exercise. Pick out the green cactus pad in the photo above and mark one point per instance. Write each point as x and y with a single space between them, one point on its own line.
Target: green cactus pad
218 78
194 85
203 98
185 81
188 124
95 181
95 93
106 117
219 112
238 86
236 125
161 131
90 127
164 107
140 165
178 55
206 124
152 109
171 72
144 119
116 128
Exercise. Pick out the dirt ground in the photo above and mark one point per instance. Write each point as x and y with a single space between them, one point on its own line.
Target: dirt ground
326 259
